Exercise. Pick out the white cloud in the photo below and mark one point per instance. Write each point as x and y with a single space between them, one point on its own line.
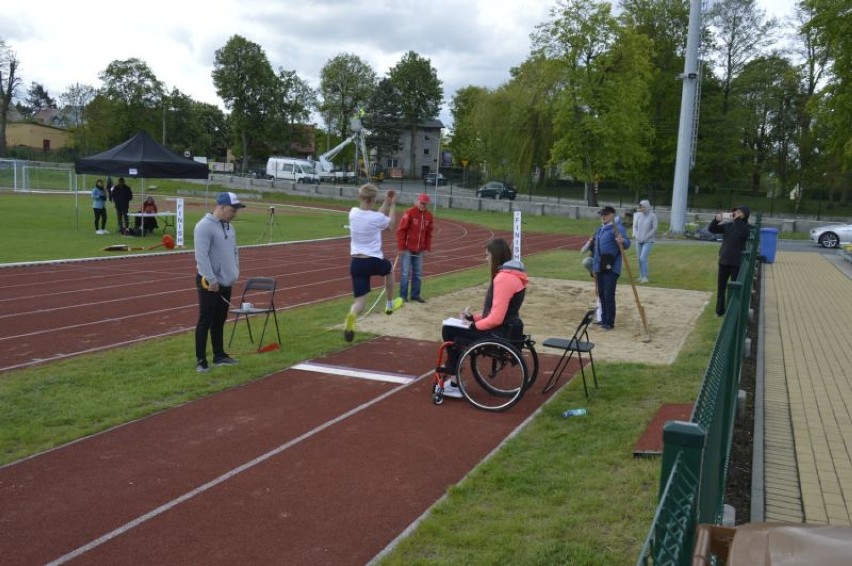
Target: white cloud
474 42
62 43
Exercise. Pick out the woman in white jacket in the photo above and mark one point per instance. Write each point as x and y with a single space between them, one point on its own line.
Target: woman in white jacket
644 231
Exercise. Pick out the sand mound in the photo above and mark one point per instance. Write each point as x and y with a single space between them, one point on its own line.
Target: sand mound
554 307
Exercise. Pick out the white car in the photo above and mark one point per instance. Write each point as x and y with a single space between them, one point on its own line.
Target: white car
832 235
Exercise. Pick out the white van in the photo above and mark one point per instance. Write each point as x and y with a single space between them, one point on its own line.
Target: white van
291 169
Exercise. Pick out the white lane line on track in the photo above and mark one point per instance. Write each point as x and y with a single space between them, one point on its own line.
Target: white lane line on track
221 479
360 374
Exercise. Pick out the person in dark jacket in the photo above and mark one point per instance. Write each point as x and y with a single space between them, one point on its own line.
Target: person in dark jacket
121 197
610 239
735 231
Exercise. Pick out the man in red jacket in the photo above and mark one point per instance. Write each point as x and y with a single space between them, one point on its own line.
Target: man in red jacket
414 239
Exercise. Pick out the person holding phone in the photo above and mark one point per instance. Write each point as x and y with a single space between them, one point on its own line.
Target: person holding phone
735 231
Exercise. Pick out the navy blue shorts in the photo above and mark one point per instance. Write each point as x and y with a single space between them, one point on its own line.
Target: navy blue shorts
362 268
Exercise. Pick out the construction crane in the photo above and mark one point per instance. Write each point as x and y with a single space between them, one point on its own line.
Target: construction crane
325 168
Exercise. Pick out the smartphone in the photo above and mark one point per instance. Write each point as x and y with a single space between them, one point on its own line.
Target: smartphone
727 216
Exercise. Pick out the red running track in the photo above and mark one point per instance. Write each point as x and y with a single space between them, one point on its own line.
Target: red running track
301 467
296 468
59 310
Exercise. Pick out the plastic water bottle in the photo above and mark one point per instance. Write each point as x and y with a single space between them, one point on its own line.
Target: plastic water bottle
574 413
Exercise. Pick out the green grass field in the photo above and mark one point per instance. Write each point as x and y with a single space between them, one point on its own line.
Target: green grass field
563 491
58 225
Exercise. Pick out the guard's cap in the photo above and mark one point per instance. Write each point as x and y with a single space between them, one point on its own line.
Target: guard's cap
229 199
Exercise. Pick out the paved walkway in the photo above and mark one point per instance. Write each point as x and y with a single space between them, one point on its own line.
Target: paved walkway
806 399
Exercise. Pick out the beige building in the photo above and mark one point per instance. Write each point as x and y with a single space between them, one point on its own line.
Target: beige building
427 146
37 136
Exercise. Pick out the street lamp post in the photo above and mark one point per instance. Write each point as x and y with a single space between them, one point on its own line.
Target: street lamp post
437 171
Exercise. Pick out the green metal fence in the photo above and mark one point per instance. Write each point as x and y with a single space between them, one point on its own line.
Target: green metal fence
696 453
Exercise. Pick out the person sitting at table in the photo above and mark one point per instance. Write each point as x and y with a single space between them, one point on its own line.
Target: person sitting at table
149 222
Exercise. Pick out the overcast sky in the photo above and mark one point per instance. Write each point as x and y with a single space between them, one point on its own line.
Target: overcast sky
471 42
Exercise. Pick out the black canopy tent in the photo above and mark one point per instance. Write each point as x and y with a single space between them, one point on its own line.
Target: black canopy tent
142 157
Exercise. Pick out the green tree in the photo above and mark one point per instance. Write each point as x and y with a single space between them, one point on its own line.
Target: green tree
196 127
420 94
665 23
383 118
831 26
718 154
803 166
131 100
602 129
291 108
76 99
9 84
466 143
741 33
764 90
347 84
247 85
532 93
37 99
512 128
214 135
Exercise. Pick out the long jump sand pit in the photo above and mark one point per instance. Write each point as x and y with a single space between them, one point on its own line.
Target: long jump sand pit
554 307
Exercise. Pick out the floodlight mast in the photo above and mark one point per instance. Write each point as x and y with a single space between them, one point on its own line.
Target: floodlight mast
688 121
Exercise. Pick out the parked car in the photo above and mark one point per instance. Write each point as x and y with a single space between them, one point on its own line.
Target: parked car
703 233
429 179
495 190
832 235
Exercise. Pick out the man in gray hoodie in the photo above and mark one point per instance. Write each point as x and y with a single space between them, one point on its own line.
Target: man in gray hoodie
218 267
644 231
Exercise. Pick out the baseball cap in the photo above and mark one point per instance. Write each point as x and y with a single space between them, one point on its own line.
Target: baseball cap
424 198
606 210
229 199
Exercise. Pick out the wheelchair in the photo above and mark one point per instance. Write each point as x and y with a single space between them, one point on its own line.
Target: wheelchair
493 372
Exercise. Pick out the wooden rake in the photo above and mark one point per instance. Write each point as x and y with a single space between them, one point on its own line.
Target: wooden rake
168 242
646 332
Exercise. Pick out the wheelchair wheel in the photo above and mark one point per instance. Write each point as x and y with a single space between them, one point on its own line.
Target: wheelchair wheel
531 359
492 375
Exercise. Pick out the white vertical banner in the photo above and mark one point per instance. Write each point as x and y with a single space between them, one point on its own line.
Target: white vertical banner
516 237
179 222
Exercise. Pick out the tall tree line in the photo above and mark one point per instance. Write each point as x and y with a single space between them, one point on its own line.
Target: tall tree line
598 100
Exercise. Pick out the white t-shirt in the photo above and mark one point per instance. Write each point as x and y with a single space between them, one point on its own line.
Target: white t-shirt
366 228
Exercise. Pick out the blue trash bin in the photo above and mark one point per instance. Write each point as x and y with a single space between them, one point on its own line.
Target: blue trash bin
768 243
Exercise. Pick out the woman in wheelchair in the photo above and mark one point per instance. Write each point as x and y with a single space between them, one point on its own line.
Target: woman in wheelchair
500 312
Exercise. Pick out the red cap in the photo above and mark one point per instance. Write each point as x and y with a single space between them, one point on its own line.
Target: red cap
424 198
